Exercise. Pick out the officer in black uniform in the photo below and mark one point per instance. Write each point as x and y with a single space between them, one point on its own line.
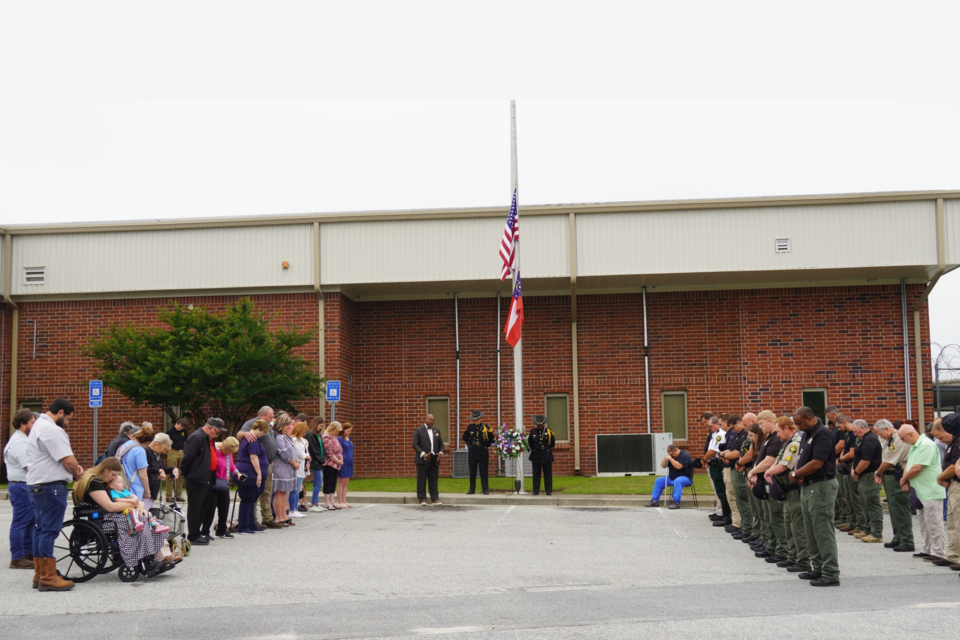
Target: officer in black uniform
478 438
542 441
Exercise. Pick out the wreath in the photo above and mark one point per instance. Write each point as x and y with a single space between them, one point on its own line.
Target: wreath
510 443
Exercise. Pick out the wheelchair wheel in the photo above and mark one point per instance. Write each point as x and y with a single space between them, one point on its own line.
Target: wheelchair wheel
185 547
81 550
129 574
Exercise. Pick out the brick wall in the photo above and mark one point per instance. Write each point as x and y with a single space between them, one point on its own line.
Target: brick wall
728 350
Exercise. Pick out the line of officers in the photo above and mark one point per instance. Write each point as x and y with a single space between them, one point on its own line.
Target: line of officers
775 481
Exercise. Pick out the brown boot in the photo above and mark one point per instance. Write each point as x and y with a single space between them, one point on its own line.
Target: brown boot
21 563
36 573
49 580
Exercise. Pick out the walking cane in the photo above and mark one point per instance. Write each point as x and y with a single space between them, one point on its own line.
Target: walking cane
232 525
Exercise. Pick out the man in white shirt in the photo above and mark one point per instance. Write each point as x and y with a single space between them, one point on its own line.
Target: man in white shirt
429 448
50 466
715 471
21 528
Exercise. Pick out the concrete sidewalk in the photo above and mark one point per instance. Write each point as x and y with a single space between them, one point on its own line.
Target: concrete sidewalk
510 499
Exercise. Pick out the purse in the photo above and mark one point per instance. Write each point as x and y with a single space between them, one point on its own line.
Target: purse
223 484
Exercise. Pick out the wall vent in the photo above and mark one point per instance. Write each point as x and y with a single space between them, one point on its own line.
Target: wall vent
783 245
34 275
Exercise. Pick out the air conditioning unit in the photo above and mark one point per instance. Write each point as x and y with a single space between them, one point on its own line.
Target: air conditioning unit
632 454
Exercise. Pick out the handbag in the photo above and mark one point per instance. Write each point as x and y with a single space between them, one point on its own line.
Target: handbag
223 484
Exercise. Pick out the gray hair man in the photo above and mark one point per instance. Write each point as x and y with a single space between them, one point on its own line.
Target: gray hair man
866 461
923 467
893 460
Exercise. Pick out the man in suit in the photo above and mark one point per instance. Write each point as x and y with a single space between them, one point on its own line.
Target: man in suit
198 468
428 445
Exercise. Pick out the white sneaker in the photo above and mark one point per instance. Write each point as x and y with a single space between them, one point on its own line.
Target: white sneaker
317 508
295 514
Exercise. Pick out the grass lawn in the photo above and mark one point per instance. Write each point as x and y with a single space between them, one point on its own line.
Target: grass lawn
570 485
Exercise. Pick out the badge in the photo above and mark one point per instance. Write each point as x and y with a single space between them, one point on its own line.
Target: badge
718 438
793 449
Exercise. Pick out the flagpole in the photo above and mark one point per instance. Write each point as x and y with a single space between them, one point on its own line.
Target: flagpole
517 350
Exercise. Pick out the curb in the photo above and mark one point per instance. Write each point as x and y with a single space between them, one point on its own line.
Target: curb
627 502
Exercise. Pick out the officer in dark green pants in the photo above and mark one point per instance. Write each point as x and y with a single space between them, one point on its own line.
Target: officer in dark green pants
815 473
893 459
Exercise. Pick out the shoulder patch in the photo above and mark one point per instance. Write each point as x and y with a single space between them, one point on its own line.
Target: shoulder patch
793 449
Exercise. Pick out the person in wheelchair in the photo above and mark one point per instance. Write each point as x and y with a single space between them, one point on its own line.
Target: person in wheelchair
147 546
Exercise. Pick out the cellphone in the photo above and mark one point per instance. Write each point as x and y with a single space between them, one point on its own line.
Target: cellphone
242 477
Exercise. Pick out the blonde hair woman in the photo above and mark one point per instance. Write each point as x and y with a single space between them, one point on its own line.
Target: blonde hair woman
297 432
226 471
284 469
334 461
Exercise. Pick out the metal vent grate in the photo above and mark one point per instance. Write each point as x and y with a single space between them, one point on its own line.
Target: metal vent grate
783 245
34 275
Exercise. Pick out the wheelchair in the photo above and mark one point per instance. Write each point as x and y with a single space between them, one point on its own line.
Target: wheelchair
87 547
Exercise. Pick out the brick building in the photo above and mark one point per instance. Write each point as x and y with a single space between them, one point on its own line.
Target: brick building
746 305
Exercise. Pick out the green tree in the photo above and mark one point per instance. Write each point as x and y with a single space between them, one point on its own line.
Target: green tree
203 364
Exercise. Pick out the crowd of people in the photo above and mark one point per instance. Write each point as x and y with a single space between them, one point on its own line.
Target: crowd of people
268 462
786 485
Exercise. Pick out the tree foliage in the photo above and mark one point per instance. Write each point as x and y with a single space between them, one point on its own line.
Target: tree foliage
203 364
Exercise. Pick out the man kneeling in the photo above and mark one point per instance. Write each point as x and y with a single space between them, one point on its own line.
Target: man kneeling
679 467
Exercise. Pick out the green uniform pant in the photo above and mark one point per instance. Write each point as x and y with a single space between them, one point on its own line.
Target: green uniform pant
793 524
740 492
762 522
817 501
870 500
858 519
173 487
775 512
898 502
756 524
846 513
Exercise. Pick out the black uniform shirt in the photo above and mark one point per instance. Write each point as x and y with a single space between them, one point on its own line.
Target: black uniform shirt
734 443
817 444
951 456
770 447
178 437
869 449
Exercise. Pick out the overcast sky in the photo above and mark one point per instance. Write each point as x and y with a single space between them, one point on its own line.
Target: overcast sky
251 109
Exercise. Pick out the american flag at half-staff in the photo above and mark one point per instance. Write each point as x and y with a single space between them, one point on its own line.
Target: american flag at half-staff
508 244
515 316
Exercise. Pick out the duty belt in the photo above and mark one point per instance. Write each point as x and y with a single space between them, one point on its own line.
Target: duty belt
816 480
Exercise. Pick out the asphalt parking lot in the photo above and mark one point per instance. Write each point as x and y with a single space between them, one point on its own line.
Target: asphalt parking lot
395 571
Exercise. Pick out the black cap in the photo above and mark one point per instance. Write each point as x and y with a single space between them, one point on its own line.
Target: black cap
476 414
216 423
539 419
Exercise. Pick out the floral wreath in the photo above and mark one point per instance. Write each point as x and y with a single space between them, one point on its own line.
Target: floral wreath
510 443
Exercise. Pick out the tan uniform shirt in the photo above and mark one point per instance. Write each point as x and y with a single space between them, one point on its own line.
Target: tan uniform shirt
895 451
788 454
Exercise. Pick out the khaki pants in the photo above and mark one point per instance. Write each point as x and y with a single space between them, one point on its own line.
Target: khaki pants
266 511
818 502
173 487
953 523
731 498
931 527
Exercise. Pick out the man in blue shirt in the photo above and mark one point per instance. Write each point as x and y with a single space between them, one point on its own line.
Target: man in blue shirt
679 467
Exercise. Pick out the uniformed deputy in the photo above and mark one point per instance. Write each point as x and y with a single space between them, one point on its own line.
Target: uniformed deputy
775 544
797 558
478 438
857 518
740 444
815 472
892 461
845 517
866 461
542 441
729 454
715 469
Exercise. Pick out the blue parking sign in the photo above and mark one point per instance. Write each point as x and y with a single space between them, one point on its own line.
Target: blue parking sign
333 390
96 393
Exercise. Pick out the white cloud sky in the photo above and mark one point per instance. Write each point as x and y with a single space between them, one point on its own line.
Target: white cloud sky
212 109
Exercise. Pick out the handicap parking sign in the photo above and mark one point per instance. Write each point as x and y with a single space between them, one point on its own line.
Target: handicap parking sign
333 390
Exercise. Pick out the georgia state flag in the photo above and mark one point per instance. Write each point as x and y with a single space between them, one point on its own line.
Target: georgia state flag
515 317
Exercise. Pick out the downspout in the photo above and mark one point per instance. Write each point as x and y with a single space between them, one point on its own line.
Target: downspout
906 345
499 459
456 329
941 267
15 332
646 357
573 344
321 336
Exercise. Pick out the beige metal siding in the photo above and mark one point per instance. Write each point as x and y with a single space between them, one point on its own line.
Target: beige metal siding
220 258
951 211
437 250
725 240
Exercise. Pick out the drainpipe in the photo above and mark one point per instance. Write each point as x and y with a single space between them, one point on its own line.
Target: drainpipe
941 268
646 357
499 459
456 329
573 344
15 332
906 346
321 365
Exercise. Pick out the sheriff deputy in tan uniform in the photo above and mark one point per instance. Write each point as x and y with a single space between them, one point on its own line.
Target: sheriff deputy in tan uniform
895 452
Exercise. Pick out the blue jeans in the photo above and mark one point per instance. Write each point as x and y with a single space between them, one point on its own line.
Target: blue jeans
295 495
678 485
49 505
21 529
317 486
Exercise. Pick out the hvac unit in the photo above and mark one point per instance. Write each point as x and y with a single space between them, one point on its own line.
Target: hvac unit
461 465
632 454
510 467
